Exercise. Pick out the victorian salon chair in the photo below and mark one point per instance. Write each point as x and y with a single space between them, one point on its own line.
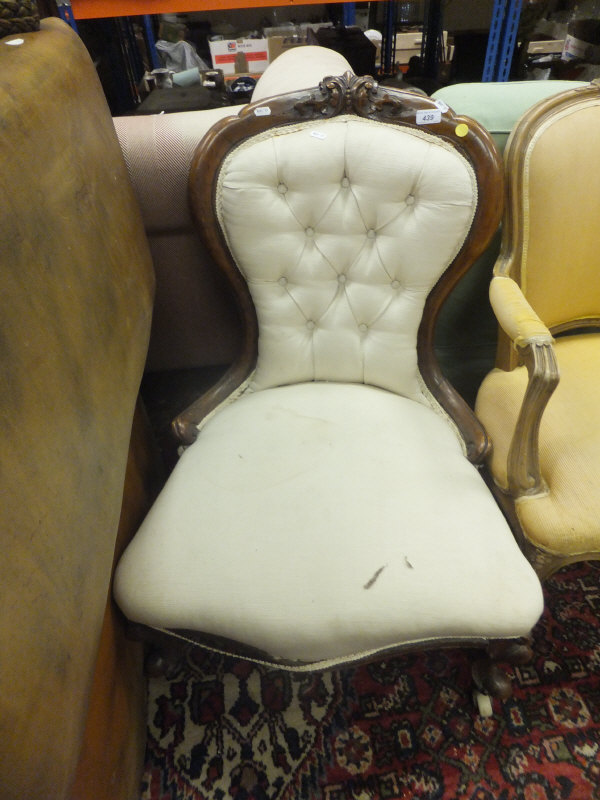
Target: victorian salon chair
328 506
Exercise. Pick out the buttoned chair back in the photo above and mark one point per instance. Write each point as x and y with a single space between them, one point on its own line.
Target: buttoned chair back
328 508
540 404
342 228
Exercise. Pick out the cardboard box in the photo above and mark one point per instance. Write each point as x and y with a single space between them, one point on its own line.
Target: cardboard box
239 55
285 37
547 46
409 44
279 45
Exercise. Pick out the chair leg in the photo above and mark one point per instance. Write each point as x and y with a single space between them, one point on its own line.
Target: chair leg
162 662
489 677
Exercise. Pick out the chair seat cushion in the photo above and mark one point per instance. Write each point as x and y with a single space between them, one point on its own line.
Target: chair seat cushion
321 522
566 519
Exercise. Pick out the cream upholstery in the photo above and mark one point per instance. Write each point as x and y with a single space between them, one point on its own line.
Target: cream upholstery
298 68
335 298
326 510
547 284
291 501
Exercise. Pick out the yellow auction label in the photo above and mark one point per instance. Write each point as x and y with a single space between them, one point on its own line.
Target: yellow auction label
462 129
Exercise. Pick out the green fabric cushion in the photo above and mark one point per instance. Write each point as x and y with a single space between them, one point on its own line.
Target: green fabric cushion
497 106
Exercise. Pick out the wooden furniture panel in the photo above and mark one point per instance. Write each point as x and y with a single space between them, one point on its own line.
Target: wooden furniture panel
112 755
76 288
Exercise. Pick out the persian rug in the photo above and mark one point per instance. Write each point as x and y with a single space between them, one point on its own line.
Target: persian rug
397 729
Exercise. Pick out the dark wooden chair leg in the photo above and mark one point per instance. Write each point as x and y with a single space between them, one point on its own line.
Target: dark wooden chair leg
162 662
490 678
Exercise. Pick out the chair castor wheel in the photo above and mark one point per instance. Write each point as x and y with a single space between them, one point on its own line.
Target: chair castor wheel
484 703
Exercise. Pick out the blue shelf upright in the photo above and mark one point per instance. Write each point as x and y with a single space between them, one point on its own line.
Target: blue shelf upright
502 40
151 41
65 12
349 14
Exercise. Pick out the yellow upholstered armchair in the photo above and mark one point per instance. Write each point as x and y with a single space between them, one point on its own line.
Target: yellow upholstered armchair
546 294
328 507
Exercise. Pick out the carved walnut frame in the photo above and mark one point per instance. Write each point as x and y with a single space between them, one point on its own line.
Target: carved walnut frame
523 466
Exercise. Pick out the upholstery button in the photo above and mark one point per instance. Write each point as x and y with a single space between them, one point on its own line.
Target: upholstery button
370 233
410 200
341 279
345 182
309 232
363 328
310 325
282 188
395 284
282 281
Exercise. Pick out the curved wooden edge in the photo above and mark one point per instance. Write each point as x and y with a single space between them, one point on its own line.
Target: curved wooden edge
487 162
168 648
185 425
545 562
533 343
363 97
574 325
202 183
524 476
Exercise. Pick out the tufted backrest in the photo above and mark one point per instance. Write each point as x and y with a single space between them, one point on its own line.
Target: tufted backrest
341 228
342 216
550 242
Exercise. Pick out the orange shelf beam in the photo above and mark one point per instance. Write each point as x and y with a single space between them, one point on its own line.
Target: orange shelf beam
94 9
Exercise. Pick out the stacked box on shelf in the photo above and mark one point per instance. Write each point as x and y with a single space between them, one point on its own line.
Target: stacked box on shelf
239 56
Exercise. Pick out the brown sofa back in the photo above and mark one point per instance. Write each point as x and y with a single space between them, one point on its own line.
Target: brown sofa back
194 323
76 288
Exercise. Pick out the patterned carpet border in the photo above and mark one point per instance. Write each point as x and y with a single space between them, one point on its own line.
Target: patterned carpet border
398 729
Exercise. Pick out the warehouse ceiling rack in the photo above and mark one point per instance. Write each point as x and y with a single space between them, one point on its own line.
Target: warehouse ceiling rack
502 37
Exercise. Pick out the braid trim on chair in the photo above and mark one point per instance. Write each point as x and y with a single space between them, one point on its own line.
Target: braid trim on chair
18 16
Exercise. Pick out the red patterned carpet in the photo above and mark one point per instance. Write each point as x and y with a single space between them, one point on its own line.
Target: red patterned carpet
400 729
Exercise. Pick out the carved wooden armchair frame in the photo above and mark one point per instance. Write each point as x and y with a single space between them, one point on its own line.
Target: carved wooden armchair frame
524 339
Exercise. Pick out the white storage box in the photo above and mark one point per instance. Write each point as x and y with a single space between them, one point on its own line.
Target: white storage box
239 55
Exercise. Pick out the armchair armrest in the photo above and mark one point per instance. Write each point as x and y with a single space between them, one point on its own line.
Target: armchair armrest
514 314
533 341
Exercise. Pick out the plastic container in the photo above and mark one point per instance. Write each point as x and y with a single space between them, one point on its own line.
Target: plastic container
582 42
